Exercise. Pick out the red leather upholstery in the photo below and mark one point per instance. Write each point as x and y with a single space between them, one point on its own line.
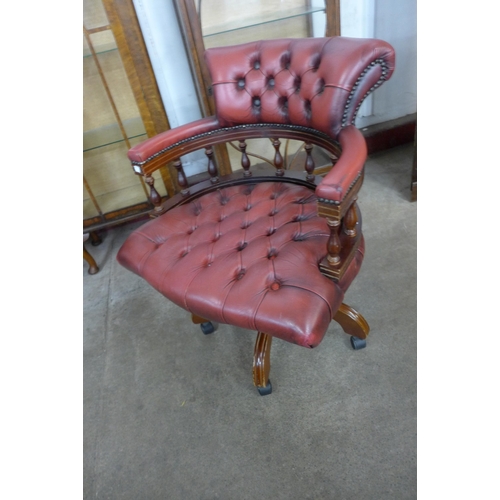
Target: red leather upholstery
247 256
150 147
314 82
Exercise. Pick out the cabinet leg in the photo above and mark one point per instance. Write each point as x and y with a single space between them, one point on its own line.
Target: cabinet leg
95 239
93 269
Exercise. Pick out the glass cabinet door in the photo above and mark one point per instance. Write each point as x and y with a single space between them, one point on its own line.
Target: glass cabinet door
229 22
111 124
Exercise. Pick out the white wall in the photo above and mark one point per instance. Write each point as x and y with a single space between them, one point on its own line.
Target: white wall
394 21
163 40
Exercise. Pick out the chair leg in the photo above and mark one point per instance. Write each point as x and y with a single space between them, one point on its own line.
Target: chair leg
93 269
353 323
205 325
262 363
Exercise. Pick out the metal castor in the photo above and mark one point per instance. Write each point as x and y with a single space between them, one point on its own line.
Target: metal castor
358 343
207 328
264 391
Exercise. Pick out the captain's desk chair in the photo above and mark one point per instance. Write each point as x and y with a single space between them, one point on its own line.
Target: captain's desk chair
271 251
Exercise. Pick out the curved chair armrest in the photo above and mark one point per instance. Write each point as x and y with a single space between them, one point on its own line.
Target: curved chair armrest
146 150
336 184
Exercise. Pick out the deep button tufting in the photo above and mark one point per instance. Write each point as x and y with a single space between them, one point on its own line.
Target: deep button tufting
285 60
245 224
336 59
240 274
202 282
321 86
271 82
307 108
241 83
272 254
297 83
256 102
283 103
273 212
316 62
248 207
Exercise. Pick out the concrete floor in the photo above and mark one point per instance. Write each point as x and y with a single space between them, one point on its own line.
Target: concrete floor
170 413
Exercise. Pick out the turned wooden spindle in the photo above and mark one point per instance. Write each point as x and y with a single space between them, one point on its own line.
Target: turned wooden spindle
154 196
309 166
350 221
245 161
212 169
278 159
181 177
334 246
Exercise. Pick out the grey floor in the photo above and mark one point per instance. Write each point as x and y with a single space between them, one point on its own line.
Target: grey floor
170 413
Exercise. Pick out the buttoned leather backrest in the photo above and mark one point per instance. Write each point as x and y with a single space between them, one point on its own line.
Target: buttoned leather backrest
313 82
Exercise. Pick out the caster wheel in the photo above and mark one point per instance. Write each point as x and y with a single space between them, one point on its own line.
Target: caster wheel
358 343
207 328
264 391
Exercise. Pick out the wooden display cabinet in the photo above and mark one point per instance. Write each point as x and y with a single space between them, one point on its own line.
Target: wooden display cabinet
122 106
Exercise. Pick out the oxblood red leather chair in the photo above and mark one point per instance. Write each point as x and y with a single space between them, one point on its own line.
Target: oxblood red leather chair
272 252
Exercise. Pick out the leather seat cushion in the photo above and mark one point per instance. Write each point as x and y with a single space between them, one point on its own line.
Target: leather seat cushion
246 256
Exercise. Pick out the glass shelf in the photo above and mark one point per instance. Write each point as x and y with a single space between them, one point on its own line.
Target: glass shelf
100 50
261 19
112 134
114 200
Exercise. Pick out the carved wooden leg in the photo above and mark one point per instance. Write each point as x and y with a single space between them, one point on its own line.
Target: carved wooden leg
93 269
205 325
95 239
262 363
353 323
